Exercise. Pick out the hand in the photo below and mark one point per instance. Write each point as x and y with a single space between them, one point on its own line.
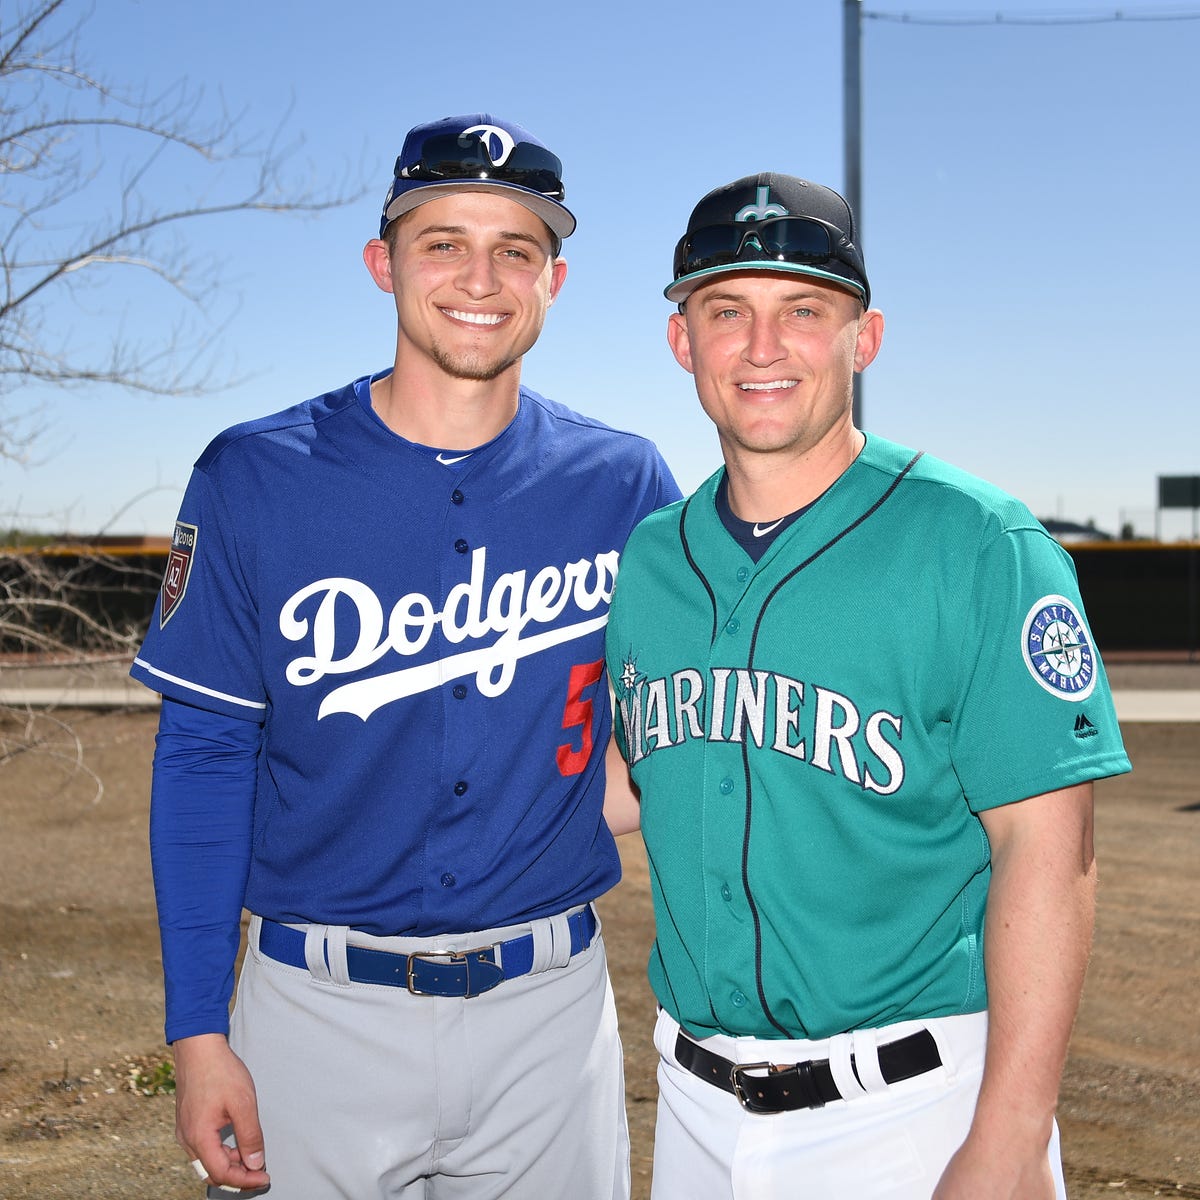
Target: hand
213 1091
975 1174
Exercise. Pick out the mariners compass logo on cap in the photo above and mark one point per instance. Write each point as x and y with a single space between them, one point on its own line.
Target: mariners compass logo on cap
770 222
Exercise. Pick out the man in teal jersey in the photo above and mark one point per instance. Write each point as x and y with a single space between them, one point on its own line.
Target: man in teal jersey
860 702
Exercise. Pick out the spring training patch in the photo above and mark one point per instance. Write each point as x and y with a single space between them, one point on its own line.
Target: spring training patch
1058 649
179 570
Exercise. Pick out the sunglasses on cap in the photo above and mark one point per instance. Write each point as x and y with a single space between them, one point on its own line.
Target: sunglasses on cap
449 156
801 240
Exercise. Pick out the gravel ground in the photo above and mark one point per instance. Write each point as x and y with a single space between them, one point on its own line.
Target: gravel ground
80 1018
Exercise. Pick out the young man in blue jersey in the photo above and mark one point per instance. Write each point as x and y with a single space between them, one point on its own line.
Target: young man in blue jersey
859 698
379 643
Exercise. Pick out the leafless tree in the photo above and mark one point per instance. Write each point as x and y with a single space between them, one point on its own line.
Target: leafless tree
98 180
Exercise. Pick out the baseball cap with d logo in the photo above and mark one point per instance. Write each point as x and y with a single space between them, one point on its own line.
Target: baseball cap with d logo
770 222
478 153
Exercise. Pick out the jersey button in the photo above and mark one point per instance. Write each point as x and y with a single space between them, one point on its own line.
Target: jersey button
732 625
456 497
461 546
460 788
743 573
448 880
737 999
726 787
460 691
726 894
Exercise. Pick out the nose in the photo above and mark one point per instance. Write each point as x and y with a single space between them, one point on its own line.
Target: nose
764 345
477 276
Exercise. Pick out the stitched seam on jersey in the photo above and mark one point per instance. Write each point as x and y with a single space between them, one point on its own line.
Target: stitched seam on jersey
758 979
687 553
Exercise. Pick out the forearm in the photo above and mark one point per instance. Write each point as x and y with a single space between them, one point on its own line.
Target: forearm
200 831
622 805
1037 942
1037 938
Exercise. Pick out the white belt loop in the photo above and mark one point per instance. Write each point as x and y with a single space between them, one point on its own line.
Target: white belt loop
843 1073
314 953
316 939
560 929
335 948
551 943
866 1060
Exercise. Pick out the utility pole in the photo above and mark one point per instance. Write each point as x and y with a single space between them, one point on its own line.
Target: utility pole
852 123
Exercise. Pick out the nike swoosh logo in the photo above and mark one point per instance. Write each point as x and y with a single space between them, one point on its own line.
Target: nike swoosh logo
763 530
449 462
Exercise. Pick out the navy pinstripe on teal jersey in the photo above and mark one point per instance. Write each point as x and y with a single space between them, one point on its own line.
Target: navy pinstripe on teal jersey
813 735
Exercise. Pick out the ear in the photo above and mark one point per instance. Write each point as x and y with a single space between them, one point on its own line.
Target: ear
679 341
870 336
378 258
558 276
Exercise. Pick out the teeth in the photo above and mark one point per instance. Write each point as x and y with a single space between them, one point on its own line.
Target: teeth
475 318
771 386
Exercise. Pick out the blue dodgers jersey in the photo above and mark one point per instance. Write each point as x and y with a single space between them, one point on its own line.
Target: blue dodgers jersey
424 646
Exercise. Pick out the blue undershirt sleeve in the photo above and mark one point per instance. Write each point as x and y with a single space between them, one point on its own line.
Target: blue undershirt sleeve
201 824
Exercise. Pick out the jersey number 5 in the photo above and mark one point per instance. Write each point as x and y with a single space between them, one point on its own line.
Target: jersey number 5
578 711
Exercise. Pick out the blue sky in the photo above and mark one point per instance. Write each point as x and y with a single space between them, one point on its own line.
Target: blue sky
1029 220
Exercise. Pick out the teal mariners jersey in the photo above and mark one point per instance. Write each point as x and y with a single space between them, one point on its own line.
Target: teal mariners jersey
814 735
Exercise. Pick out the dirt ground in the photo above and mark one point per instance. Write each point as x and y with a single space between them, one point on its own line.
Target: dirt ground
80 1018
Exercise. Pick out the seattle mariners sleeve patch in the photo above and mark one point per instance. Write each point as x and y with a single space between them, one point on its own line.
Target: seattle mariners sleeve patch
179 569
1058 649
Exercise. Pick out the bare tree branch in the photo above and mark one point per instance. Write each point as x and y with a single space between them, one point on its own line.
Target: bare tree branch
95 183
100 185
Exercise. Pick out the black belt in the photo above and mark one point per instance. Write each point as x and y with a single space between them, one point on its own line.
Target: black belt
804 1084
430 973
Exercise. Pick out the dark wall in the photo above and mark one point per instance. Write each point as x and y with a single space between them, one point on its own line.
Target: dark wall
1138 595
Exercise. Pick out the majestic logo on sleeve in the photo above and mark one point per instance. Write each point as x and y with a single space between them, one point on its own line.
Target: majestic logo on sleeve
349 632
805 722
179 570
1058 650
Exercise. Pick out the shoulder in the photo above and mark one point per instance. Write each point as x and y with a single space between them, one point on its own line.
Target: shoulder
946 493
571 430
291 425
697 512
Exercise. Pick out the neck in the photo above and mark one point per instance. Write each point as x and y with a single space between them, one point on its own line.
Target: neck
764 487
434 408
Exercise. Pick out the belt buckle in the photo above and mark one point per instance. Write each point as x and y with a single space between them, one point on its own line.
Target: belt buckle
453 958
735 1078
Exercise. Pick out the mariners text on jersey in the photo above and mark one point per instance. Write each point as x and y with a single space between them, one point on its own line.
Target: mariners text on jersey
807 722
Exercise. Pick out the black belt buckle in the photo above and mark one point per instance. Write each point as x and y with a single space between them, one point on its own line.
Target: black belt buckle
744 1098
470 972
798 1076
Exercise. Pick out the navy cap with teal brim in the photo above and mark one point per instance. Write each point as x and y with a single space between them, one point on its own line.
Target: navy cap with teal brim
764 196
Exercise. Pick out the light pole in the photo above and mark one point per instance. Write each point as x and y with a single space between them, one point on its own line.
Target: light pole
852 123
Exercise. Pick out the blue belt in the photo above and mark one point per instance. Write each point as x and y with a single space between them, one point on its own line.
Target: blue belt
432 973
